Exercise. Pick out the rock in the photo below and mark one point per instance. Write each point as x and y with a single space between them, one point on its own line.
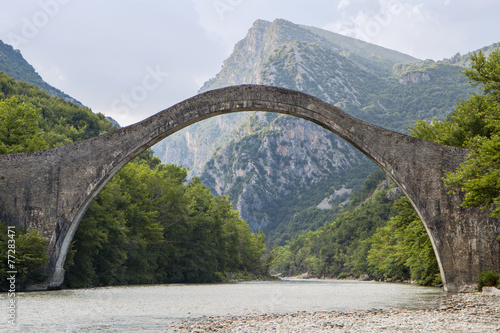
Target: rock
491 291
414 78
393 194
456 313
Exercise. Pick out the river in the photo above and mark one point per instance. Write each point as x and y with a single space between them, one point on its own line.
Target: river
150 308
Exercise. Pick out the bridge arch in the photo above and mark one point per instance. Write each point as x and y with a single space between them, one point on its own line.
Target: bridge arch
51 190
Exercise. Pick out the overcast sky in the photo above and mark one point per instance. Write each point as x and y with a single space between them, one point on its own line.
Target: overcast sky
130 59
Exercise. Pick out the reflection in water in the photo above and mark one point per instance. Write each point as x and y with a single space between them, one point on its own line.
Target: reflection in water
152 307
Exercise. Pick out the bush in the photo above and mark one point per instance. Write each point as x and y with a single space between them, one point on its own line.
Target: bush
488 279
30 255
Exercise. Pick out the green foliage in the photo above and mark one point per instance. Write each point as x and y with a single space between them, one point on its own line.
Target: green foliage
338 247
369 186
373 236
402 69
474 124
19 131
479 176
30 255
465 61
488 279
148 225
31 119
402 249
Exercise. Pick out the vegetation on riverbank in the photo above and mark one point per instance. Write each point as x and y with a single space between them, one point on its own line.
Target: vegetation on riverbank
488 279
379 236
149 225
22 251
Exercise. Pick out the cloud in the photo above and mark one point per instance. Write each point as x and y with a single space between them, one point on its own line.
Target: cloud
424 29
97 51
100 52
343 3
393 24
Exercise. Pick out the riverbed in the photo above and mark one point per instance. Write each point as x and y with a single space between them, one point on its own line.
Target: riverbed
158 308
456 313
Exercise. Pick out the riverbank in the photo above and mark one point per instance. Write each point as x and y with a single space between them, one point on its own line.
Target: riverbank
454 313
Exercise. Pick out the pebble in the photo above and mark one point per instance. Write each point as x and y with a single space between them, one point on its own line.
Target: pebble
456 313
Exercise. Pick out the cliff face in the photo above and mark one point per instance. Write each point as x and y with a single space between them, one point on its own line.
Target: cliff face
193 146
281 159
279 168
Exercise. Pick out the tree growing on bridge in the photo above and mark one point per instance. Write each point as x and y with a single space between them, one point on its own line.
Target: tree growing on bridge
474 124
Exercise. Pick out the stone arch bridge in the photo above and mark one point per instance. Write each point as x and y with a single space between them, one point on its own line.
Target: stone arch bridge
51 190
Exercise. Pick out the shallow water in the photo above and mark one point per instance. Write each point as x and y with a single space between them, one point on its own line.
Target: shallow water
151 308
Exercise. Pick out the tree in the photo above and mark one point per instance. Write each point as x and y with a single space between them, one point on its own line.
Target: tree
149 225
19 131
475 124
31 119
402 249
30 253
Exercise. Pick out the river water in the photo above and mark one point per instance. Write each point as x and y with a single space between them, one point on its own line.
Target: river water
150 308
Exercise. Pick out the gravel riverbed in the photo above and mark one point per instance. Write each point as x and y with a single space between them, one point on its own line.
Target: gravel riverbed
454 313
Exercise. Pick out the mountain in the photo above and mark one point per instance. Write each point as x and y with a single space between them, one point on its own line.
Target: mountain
13 64
283 173
281 167
267 41
193 146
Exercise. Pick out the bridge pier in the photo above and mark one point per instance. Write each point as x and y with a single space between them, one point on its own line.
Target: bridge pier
51 190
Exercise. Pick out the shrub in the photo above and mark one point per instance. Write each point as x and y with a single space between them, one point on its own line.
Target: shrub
488 279
29 251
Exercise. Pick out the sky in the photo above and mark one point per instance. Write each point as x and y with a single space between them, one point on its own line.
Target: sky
130 59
